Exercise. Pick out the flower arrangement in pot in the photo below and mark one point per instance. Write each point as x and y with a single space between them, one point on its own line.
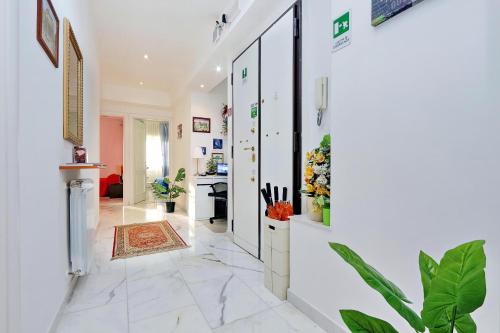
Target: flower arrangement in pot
171 190
317 181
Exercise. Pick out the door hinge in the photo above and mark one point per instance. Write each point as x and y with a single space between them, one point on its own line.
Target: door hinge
296 27
232 226
232 77
232 151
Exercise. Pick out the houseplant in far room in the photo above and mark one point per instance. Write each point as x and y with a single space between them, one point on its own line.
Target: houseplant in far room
211 166
317 181
453 289
172 191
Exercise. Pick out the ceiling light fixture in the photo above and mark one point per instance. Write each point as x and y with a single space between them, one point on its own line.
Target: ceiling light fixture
141 83
218 69
202 86
146 57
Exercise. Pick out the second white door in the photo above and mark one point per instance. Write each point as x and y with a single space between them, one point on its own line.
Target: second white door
246 150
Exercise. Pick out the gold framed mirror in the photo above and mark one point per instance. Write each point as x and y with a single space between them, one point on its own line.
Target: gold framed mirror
73 87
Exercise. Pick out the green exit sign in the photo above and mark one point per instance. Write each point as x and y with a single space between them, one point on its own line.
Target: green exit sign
341 25
342 31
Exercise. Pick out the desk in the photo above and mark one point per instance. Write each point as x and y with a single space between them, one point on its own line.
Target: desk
204 205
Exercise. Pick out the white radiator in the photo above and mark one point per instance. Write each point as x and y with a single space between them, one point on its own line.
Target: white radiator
82 221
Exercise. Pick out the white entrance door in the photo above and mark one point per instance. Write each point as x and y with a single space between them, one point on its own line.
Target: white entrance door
139 161
277 98
246 155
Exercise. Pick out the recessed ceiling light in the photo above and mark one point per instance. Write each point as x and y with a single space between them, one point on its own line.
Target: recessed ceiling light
202 86
218 69
141 83
146 57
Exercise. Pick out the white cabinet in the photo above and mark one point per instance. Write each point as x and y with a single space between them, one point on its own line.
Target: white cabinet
276 256
204 205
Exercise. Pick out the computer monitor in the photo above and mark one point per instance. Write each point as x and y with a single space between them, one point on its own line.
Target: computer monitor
222 169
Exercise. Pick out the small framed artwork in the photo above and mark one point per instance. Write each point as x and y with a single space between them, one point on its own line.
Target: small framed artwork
204 151
201 125
217 143
218 157
382 10
179 131
79 154
47 30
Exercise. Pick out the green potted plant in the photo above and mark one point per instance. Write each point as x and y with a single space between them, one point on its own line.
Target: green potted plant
453 289
211 166
171 191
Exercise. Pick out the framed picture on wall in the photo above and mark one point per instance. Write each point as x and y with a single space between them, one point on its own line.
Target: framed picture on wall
217 143
204 151
79 154
201 125
218 157
179 131
382 10
47 30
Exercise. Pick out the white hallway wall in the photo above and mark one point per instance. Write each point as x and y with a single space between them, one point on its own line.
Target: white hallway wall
9 182
196 104
415 144
43 207
181 147
209 105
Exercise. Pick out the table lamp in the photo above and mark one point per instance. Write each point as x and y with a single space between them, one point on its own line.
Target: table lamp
198 154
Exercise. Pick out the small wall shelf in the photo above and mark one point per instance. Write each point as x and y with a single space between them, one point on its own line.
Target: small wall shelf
303 219
81 166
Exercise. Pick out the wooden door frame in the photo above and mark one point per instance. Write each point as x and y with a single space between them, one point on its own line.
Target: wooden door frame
10 292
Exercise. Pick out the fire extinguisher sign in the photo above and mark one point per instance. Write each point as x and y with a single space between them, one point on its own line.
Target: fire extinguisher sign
342 31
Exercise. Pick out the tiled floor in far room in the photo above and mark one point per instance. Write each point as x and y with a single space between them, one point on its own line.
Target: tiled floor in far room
213 286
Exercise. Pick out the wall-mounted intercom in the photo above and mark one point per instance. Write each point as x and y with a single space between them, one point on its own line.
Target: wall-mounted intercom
321 97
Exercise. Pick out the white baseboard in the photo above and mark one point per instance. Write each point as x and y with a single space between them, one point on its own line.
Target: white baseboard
322 320
57 319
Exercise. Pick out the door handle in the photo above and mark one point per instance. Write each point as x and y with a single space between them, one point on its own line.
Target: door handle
249 148
252 179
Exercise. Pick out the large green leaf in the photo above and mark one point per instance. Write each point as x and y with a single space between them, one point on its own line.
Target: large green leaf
464 324
392 294
460 284
359 322
181 175
428 270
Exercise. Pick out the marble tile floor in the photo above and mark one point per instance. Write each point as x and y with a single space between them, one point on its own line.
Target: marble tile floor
213 286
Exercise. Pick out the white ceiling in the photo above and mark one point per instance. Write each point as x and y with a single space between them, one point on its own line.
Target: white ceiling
176 35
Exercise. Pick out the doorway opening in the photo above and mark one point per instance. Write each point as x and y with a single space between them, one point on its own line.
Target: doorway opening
151 157
111 177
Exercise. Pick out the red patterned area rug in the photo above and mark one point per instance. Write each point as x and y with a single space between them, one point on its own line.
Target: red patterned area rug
145 238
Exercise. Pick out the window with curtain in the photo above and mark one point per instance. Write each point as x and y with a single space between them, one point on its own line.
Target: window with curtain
156 150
